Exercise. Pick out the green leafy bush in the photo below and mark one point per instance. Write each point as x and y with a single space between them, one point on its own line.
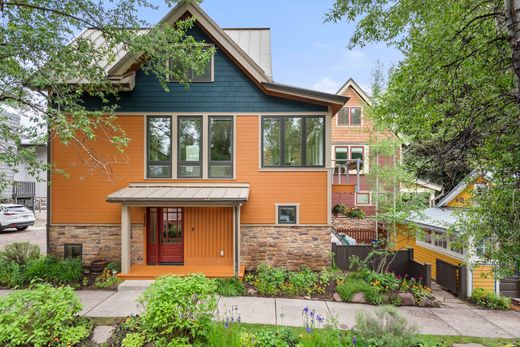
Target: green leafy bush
354 212
133 340
386 328
278 281
351 286
48 269
177 309
114 266
11 274
483 298
339 209
20 252
41 316
230 287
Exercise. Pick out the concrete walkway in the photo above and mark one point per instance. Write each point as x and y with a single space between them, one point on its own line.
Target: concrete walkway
466 321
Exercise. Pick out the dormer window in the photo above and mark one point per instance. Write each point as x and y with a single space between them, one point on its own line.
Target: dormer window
206 76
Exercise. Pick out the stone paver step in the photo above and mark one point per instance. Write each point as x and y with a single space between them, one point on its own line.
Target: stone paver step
134 285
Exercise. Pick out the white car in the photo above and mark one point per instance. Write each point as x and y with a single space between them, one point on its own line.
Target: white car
15 216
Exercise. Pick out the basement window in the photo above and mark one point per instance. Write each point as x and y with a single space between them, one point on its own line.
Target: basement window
73 251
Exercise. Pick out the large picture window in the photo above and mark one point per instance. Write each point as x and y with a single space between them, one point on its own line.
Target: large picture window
159 147
190 147
293 141
220 147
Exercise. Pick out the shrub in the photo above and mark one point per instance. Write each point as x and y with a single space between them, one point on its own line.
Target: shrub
50 270
41 316
303 282
11 274
230 287
354 212
386 328
352 286
20 252
270 280
339 209
177 309
133 340
114 266
490 300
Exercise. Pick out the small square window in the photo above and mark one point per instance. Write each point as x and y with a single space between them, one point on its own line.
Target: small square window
287 214
362 198
73 251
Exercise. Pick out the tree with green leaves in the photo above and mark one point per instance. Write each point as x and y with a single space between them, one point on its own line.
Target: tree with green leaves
41 57
455 96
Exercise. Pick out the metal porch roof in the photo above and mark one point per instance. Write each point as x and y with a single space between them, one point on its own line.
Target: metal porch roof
181 192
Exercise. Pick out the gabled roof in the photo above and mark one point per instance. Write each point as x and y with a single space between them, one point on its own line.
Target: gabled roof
459 188
353 84
256 65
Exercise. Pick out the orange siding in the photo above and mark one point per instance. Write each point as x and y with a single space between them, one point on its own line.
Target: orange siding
80 198
207 231
483 277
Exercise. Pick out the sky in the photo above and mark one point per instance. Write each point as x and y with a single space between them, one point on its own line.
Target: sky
306 52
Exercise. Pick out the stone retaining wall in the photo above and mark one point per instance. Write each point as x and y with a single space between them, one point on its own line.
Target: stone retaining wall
286 246
99 241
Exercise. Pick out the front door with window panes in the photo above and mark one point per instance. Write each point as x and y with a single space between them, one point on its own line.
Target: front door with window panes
165 235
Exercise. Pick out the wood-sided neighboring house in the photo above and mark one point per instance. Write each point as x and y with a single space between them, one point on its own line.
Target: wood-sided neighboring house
6 172
453 267
233 172
352 131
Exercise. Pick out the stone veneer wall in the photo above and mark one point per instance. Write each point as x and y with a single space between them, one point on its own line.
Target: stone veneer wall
285 246
99 241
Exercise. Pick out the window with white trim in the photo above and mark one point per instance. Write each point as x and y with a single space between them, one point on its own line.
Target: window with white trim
440 240
342 154
362 198
287 214
349 116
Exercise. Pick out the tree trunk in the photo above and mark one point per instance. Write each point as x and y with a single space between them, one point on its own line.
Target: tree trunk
512 12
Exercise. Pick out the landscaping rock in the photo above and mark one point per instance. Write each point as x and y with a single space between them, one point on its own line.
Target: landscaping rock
407 299
359 298
102 333
251 291
337 297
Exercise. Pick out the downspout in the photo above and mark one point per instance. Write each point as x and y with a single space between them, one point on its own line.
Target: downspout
49 161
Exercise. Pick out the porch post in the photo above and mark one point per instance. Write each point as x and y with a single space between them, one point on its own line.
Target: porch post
236 258
125 239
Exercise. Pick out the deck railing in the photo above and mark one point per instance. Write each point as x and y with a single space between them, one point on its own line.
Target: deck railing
344 169
24 190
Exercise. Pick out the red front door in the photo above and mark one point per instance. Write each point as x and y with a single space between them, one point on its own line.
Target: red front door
165 230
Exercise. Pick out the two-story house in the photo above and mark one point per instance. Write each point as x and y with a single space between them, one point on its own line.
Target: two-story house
232 172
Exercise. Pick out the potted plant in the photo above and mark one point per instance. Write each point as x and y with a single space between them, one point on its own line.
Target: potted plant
100 263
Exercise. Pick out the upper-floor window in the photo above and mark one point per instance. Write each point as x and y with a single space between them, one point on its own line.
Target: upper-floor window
349 116
180 67
220 147
293 141
189 157
344 155
159 155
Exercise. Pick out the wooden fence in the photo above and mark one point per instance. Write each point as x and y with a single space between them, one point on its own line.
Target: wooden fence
361 236
401 264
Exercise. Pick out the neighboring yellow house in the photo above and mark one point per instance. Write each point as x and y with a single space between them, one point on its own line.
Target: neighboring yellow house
456 269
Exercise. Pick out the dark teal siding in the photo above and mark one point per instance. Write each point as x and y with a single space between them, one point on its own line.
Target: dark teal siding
232 91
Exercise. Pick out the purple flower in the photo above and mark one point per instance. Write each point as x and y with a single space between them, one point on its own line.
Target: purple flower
354 340
226 324
319 318
239 319
312 313
306 309
308 328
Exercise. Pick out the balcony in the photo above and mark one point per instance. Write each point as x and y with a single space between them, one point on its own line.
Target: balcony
23 190
346 175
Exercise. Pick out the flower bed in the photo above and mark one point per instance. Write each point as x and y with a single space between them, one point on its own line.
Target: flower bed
362 286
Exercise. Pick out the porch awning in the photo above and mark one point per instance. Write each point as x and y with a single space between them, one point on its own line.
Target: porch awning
181 193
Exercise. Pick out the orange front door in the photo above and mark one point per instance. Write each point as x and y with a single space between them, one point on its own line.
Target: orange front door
165 230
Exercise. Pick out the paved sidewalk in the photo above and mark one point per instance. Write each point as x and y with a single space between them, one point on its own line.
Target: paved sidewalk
288 312
436 321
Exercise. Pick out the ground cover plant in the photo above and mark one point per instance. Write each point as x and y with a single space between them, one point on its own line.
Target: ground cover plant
276 281
42 316
487 299
230 287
